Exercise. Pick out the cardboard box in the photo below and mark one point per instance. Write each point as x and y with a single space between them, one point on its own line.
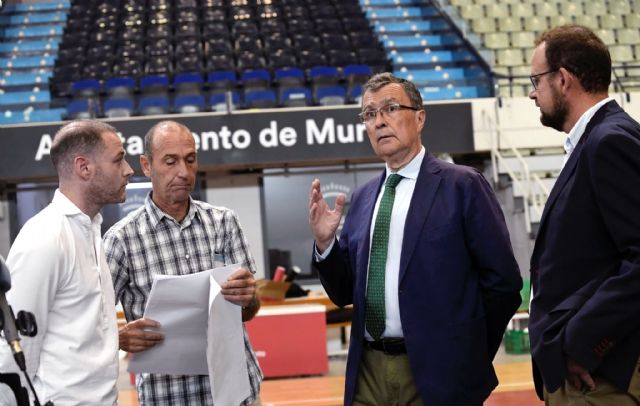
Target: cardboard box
268 290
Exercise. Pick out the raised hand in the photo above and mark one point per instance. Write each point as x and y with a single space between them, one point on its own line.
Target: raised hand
323 220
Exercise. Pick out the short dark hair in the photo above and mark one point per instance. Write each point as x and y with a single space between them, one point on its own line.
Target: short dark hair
79 137
577 49
148 138
378 81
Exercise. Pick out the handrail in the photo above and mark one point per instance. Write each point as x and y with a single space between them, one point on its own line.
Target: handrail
539 199
497 158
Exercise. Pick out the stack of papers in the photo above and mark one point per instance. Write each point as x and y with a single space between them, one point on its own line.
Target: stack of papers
203 333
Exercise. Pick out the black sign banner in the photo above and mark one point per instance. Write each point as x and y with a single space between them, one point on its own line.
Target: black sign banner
243 139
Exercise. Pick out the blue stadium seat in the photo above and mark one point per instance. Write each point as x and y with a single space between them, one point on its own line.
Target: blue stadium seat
118 107
289 76
188 82
120 86
331 95
153 105
295 97
218 101
85 88
80 108
188 103
222 80
260 98
324 75
256 79
154 84
355 94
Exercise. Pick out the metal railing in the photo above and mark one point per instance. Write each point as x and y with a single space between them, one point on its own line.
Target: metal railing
529 184
538 200
522 183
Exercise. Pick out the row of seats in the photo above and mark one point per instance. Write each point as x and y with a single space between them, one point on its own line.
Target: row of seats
541 23
193 36
22 8
525 39
516 57
155 104
613 6
350 75
549 9
33 18
189 92
30 114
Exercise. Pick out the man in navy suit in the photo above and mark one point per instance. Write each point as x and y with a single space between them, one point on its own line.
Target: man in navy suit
451 283
585 269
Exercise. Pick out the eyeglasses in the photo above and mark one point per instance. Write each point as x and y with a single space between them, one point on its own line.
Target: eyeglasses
389 110
535 79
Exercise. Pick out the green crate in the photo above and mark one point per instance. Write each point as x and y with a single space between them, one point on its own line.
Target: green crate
516 341
525 295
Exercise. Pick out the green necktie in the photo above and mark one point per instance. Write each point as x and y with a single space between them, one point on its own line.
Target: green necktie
375 311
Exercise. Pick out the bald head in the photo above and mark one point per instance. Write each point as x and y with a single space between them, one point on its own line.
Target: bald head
79 137
160 128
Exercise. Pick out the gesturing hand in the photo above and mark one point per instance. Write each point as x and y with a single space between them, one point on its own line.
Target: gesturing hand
323 220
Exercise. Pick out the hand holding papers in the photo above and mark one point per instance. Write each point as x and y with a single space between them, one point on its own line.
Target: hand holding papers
196 320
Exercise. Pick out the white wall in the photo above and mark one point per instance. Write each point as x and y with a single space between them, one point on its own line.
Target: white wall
241 193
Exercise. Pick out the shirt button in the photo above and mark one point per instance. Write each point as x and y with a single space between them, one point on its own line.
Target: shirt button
187 256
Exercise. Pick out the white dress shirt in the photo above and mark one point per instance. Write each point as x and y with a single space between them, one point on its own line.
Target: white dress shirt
60 274
404 192
573 138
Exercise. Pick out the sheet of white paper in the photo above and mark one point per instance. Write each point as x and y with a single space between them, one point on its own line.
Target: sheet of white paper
180 305
228 374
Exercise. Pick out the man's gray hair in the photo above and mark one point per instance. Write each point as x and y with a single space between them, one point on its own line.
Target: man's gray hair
148 138
378 81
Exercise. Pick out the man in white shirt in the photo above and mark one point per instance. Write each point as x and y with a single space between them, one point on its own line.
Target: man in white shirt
584 320
60 274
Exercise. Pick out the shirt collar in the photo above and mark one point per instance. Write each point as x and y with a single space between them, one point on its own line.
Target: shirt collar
412 169
156 214
578 129
68 208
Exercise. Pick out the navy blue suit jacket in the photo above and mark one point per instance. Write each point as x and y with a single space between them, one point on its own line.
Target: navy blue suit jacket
585 267
459 282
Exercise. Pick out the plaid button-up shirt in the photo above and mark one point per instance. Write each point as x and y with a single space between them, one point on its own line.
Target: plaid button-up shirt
149 242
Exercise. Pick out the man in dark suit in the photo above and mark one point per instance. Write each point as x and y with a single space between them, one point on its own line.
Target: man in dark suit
430 271
585 269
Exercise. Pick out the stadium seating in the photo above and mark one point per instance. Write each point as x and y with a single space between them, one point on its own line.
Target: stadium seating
210 52
507 30
236 46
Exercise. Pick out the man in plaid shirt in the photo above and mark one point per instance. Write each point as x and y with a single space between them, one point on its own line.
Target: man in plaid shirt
173 234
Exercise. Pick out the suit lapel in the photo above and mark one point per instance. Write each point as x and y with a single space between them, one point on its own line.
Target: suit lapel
570 167
423 197
565 175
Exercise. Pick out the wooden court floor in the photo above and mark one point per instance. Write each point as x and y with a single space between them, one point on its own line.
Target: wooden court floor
515 388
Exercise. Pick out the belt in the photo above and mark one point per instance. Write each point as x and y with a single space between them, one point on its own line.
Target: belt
390 346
